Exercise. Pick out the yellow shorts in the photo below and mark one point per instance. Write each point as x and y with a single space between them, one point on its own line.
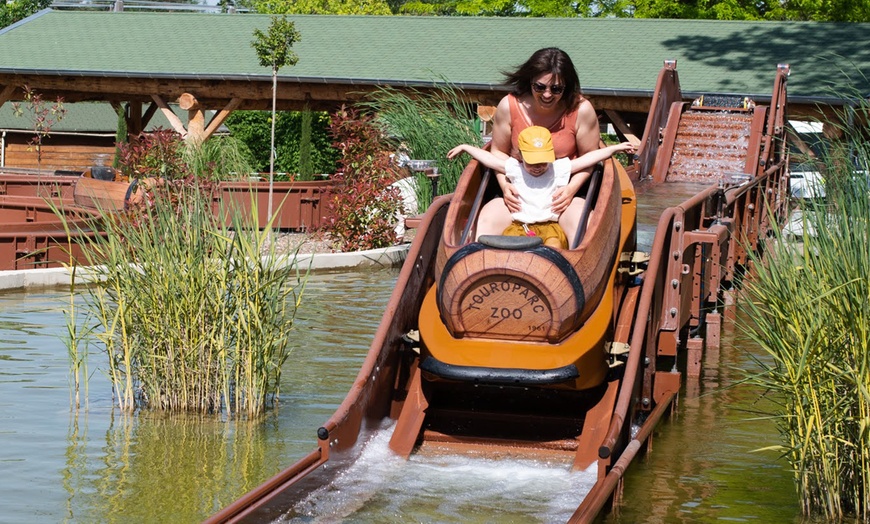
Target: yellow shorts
548 231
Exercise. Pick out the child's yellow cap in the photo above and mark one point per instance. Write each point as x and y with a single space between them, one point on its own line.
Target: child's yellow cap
536 145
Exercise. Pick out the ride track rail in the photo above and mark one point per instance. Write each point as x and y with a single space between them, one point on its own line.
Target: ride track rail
660 324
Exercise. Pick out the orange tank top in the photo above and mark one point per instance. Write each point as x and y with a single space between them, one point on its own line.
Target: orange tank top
564 130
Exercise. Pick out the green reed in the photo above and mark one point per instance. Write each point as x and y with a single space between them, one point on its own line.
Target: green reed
426 127
219 158
76 338
193 314
809 310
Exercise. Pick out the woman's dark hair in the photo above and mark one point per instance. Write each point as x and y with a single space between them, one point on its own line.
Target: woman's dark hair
548 60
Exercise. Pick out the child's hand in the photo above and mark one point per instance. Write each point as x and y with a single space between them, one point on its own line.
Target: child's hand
628 147
456 151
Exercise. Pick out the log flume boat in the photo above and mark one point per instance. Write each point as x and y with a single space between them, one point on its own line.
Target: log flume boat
502 347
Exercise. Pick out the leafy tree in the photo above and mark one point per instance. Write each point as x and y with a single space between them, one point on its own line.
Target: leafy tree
43 115
797 10
252 128
321 7
273 50
11 12
520 8
820 10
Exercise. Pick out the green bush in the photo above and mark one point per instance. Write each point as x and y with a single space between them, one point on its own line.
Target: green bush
253 129
218 158
164 154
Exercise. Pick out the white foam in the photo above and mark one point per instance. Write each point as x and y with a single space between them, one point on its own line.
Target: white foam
381 487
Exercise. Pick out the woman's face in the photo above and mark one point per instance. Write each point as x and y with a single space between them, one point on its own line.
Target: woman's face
543 87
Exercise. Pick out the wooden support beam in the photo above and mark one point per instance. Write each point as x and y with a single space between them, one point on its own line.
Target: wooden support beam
621 126
6 94
220 116
135 125
148 114
172 117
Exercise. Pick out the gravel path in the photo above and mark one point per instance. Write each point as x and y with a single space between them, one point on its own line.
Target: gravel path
306 243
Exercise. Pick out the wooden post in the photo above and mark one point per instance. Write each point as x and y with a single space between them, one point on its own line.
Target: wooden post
195 118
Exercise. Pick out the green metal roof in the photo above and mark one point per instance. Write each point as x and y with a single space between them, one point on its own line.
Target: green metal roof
611 55
83 117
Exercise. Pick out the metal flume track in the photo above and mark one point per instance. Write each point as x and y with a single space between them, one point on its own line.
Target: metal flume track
662 321
709 143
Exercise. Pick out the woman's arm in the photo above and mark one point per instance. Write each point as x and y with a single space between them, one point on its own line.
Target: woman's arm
501 148
501 129
588 139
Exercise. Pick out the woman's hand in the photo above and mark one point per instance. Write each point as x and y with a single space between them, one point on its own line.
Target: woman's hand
511 197
562 197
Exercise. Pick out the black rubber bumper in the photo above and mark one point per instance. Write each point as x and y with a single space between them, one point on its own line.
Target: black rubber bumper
499 376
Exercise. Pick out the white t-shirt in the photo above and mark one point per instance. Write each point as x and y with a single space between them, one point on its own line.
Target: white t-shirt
536 192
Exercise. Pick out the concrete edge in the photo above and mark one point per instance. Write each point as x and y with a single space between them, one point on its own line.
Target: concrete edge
52 277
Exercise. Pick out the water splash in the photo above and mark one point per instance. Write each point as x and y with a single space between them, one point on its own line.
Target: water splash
381 487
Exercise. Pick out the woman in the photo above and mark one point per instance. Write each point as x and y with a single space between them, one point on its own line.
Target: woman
545 91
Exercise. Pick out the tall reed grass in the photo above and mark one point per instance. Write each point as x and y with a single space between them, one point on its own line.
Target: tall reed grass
192 314
809 310
218 158
426 127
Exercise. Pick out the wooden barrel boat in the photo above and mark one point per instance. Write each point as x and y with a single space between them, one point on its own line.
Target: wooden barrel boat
548 309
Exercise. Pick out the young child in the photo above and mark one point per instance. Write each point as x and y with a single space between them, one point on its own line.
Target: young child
536 180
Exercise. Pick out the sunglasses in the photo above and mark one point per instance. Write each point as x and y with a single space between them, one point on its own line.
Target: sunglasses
556 89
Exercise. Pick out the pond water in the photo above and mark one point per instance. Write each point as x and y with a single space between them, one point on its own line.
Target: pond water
102 466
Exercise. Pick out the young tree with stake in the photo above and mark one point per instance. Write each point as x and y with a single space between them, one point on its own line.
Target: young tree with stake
273 50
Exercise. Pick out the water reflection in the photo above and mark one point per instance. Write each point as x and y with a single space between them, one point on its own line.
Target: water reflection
102 466
704 467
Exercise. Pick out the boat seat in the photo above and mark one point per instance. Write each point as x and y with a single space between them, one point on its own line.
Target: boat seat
516 243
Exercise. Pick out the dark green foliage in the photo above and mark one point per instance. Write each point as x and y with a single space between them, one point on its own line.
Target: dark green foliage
801 10
20 9
120 138
252 128
306 169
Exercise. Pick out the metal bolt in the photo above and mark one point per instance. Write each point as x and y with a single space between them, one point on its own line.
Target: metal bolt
678 225
675 283
646 361
673 311
645 401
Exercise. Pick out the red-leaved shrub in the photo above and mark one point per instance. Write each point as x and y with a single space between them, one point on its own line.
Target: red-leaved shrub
363 207
155 154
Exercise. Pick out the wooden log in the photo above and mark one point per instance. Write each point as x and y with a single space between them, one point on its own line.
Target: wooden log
100 194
